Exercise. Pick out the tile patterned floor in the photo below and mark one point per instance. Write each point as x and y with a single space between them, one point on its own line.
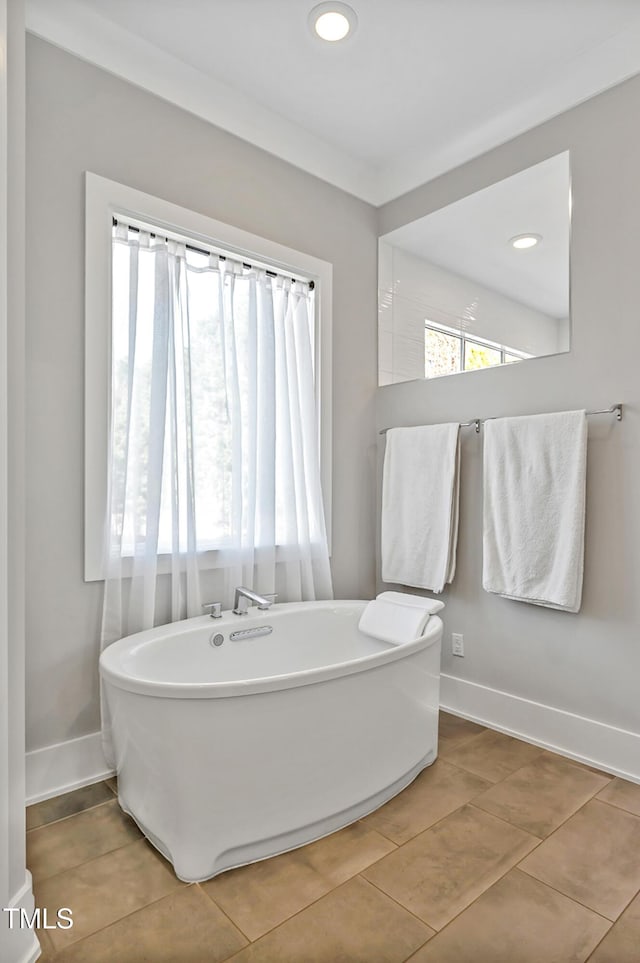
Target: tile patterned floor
498 853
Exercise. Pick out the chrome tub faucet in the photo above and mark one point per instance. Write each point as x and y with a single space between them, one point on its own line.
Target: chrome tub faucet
245 597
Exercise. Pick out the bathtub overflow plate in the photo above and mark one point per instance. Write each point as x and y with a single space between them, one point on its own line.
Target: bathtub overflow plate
217 638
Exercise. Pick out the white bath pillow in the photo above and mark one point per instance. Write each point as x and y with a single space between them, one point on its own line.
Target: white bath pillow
395 617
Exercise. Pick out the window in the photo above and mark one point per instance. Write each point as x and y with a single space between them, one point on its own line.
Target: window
196 372
448 351
178 406
442 353
478 354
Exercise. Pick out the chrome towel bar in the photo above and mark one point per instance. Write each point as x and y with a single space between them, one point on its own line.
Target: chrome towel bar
614 409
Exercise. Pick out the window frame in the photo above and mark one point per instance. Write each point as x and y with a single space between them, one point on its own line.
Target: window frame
106 199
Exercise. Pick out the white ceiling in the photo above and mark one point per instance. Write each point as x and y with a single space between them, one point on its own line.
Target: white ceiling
471 237
422 86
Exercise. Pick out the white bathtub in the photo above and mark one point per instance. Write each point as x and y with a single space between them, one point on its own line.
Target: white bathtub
230 753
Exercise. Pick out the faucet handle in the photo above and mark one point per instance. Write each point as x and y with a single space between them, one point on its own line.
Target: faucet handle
215 609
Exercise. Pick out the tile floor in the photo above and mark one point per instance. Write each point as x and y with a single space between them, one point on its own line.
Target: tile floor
498 853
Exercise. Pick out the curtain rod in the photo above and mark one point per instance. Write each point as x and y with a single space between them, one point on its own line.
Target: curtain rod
222 257
617 409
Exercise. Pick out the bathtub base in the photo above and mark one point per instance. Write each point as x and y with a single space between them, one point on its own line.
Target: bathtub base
283 843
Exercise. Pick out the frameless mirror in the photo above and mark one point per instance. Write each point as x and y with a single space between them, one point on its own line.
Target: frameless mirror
481 282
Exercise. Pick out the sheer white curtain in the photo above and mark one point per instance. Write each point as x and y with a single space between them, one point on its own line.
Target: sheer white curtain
214 477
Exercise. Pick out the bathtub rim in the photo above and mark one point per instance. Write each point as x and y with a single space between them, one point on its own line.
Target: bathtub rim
112 673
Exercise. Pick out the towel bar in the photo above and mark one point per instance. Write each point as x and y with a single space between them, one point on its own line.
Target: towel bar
614 409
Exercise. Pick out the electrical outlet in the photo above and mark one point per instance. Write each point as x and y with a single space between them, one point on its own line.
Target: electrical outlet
457 644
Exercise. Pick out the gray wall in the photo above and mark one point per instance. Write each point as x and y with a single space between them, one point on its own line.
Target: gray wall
81 118
587 664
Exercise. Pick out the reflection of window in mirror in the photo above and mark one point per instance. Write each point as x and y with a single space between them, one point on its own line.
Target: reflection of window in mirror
447 351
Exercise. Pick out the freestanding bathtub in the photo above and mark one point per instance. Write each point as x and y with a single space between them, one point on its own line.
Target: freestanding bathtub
231 749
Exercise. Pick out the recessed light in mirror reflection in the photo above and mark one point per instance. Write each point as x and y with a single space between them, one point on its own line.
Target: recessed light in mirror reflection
523 242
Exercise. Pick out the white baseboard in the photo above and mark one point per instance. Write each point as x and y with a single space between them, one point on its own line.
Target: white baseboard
65 766
19 945
613 750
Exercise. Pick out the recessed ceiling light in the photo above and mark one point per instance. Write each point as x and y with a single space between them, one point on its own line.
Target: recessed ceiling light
523 241
332 21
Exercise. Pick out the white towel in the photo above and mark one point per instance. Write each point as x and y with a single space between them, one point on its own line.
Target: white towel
395 617
534 508
420 488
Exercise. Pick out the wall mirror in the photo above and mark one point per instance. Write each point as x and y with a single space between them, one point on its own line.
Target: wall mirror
481 282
